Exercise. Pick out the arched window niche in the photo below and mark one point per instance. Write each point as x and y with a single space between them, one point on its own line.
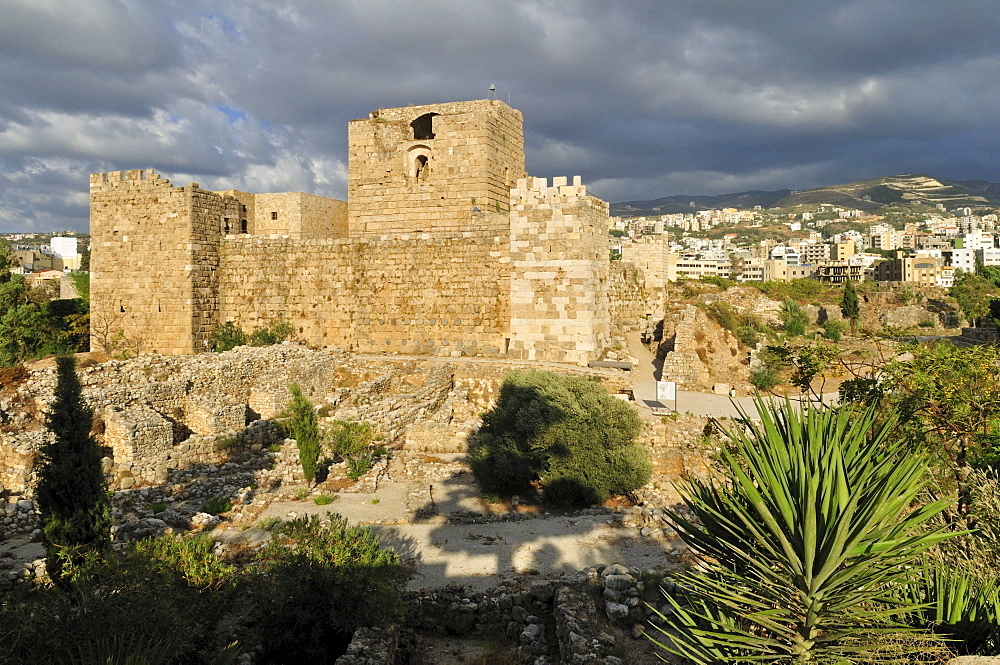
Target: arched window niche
418 162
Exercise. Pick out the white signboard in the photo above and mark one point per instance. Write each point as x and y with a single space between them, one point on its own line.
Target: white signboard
666 391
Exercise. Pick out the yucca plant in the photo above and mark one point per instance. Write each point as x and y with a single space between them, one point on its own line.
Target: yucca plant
804 542
957 603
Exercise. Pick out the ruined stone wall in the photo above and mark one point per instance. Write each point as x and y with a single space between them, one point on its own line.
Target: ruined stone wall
559 272
427 294
627 298
404 178
154 259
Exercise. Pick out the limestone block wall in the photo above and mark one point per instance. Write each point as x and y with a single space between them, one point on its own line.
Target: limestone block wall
299 216
426 294
136 432
627 298
153 260
559 272
421 168
208 416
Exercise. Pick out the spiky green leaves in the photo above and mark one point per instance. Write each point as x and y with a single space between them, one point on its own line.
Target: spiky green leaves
804 541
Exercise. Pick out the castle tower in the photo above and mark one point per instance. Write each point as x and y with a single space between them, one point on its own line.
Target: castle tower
154 261
559 272
433 167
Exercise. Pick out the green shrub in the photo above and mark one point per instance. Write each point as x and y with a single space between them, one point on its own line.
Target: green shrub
766 376
226 336
323 499
566 432
216 505
158 506
833 329
305 431
272 333
793 318
157 602
348 438
317 584
358 466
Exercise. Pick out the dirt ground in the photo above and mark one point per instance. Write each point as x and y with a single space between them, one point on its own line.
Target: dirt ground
412 516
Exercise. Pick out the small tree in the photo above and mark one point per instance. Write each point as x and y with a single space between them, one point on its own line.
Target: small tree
566 432
793 318
973 295
305 430
72 495
850 306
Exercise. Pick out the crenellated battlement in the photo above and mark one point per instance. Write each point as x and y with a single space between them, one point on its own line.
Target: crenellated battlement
120 179
537 191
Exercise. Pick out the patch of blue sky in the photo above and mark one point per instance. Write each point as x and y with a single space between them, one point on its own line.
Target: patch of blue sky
234 115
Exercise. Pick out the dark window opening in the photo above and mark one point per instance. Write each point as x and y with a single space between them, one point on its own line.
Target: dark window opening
274 215
423 127
225 221
420 166
244 207
243 226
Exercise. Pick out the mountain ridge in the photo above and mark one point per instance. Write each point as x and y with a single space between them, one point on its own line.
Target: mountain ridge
868 195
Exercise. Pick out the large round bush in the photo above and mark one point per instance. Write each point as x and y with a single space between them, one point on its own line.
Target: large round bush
567 433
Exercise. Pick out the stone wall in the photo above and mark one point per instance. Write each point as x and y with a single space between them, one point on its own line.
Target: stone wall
406 178
147 235
559 272
628 300
437 294
418 263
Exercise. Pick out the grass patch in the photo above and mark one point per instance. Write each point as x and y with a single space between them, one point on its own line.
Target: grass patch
216 505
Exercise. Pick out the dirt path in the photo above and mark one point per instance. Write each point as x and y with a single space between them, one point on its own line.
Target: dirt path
413 518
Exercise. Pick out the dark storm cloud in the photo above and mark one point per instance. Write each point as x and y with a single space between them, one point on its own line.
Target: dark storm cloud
644 99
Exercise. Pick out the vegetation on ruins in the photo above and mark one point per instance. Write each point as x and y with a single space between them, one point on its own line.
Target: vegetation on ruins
745 326
72 495
806 540
227 336
173 600
793 318
567 433
319 583
973 294
304 428
850 305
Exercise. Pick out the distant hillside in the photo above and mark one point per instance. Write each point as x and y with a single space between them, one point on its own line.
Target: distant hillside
868 195
683 203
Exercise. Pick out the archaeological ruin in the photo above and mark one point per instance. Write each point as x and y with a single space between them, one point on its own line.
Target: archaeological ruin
445 247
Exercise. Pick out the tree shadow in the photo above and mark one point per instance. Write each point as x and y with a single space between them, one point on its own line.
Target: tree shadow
483 548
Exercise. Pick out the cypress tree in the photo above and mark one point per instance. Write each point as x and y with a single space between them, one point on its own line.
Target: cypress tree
850 306
305 428
72 495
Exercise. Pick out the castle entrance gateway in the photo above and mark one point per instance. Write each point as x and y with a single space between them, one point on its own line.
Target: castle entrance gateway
444 247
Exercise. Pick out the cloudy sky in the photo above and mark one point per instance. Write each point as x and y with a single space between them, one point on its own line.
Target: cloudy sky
642 98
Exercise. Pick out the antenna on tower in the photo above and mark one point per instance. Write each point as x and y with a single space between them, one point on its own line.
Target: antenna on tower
493 91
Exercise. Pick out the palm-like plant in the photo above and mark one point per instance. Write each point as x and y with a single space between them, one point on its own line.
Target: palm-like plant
805 541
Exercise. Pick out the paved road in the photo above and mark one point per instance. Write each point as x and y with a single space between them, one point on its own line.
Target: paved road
644 377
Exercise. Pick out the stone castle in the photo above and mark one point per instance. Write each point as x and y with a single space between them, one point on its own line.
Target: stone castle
444 247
